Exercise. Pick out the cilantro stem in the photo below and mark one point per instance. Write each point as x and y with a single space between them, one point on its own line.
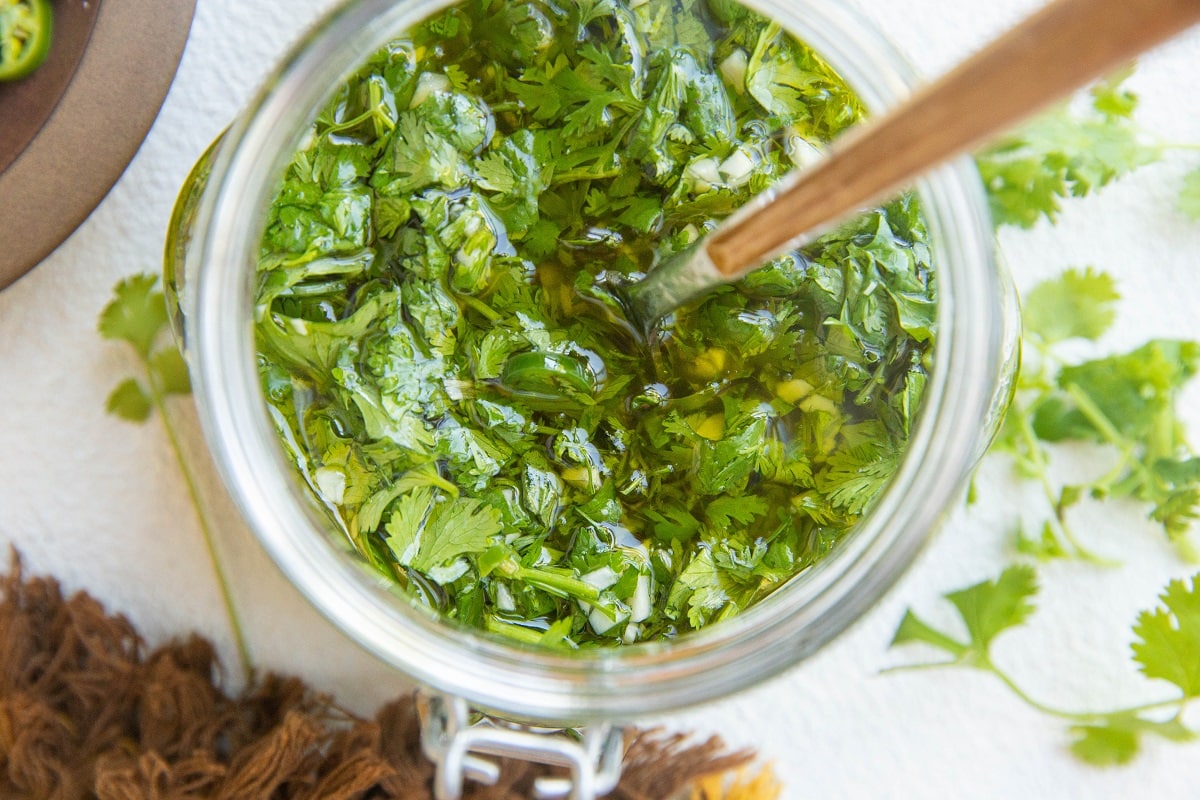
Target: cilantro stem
919 667
985 665
1082 551
1094 415
1109 478
1038 461
518 632
489 313
583 174
1104 425
558 584
223 583
1076 716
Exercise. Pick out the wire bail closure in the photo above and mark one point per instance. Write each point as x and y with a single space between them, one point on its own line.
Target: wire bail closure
459 745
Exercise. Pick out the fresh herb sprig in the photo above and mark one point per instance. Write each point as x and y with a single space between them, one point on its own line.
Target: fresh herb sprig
137 315
1166 647
1071 152
1125 403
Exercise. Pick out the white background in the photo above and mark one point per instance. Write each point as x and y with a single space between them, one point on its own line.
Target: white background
99 502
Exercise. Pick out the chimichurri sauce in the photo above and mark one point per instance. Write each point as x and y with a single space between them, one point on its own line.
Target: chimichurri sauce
452 372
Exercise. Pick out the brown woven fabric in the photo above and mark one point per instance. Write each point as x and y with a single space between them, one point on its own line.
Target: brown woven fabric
87 713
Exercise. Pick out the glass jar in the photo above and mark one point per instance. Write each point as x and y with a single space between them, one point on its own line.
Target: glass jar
215 240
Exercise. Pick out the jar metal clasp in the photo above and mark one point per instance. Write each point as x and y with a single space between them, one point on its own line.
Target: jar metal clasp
463 748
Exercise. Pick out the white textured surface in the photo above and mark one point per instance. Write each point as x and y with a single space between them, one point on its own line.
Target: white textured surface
98 502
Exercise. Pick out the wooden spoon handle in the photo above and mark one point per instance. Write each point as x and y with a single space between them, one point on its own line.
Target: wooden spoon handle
1054 52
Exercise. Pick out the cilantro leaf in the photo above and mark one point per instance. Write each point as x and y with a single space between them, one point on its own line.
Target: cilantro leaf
1116 739
455 528
783 81
1111 98
1074 305
404 526
513 171
542 238
581 95
129 401
1132 393
724 511
672 23
726 464
674 524
1168 645
425 532
856 475
1124 401
1107 744
699 593
913 629
991 607
1063 154
136 314
513 32
987 609
419 158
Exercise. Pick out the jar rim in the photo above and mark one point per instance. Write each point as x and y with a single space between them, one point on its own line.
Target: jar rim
616 683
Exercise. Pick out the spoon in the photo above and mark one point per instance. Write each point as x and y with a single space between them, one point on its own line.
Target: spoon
1057 50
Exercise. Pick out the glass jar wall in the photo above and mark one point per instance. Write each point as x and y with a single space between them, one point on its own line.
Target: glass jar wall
215 245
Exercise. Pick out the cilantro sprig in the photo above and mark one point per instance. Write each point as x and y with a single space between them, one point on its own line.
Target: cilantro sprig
1072 151
1125 403
1166 647
137 316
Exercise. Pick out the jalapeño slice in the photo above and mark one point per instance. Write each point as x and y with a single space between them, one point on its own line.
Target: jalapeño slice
25 28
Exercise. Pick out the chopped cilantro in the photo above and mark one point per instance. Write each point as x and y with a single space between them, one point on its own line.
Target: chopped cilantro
451 369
